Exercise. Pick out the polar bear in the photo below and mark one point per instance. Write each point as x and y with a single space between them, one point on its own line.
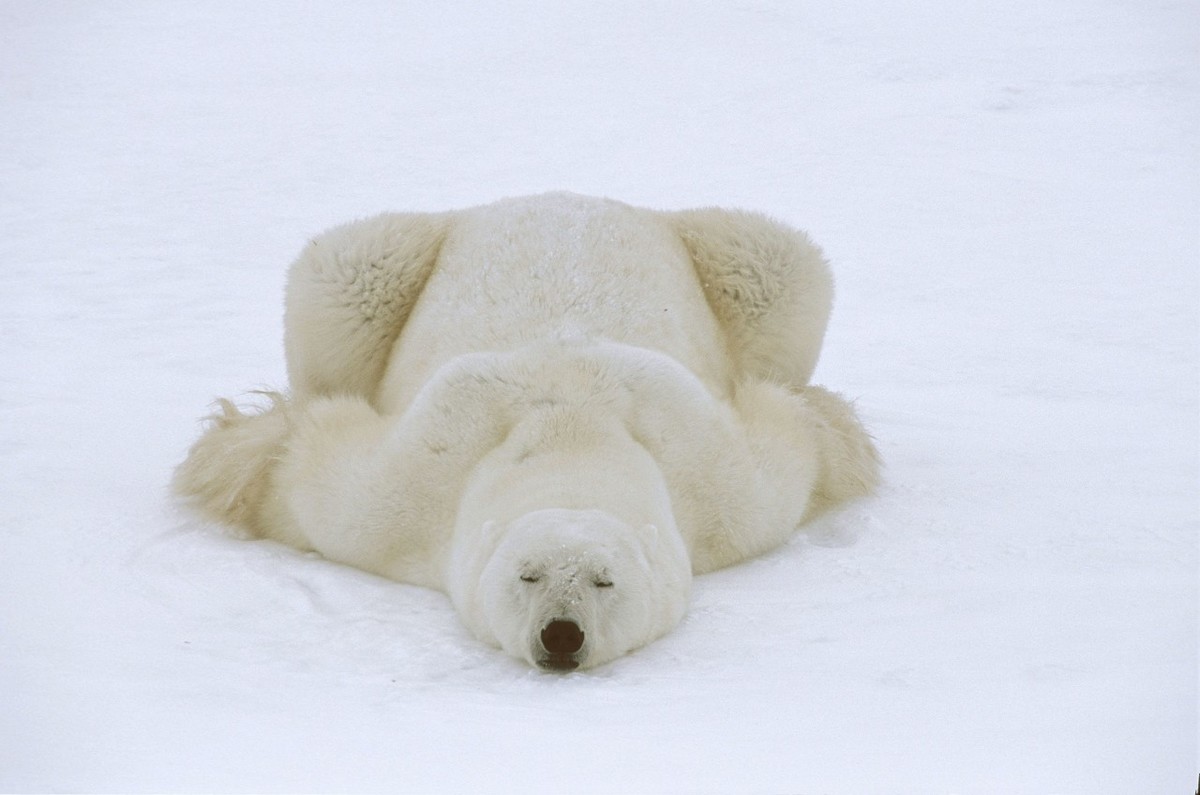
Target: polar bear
556 409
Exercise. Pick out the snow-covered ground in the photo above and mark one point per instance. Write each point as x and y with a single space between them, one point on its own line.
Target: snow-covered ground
1009 193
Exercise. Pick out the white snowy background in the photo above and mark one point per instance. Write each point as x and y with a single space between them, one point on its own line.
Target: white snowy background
1009 194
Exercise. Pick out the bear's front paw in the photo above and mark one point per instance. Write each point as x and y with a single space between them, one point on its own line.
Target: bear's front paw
849 460
226 473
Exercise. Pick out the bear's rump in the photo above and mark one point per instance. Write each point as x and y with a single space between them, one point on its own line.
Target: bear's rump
556 267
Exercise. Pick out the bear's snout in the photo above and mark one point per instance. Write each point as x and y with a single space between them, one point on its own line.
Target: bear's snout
562 636
561 639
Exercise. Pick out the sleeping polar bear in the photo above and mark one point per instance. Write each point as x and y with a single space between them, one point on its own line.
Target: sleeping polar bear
556 409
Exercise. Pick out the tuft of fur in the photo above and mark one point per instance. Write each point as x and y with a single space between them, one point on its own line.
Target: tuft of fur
226 475
849 461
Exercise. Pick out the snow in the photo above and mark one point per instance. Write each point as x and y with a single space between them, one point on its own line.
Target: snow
1009 194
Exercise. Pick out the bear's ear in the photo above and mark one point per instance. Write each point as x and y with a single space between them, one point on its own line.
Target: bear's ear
768 285
667 545
490 531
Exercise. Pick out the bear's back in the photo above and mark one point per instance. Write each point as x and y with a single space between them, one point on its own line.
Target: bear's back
556 266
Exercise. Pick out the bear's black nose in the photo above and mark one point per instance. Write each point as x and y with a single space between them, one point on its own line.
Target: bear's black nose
561 636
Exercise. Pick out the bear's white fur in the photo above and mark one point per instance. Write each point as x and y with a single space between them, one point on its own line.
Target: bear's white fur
556 409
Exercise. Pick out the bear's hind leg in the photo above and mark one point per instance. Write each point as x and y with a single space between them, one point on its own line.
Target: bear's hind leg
767 284
348 295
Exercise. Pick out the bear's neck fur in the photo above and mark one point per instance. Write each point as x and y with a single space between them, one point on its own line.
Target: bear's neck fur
571 458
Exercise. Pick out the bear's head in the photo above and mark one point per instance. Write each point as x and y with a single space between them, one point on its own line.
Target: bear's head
567 589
